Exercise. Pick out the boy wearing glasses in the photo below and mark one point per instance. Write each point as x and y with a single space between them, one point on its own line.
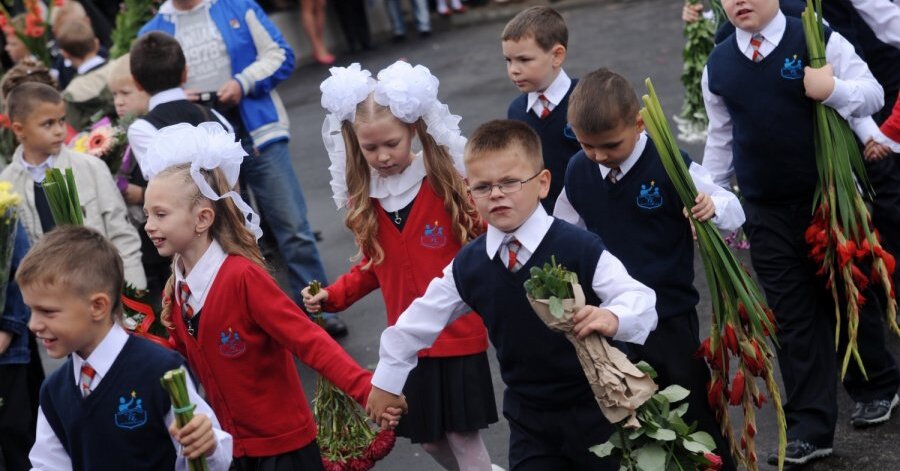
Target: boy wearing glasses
617 188
553 416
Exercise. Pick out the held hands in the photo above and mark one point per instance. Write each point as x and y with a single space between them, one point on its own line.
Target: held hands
590 319
312 303
691 12
196 437
875 151
230 93
385 408
819 83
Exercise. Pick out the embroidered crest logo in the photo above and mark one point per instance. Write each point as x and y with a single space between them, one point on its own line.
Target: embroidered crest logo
793 68
433 236
235 24
649 197
230 344
131 414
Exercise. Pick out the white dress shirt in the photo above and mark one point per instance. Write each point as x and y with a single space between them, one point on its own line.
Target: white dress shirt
856 93
421 323
396 192
729 213
201 277
48 452
555 93
38 172
866 128
90 64
883 17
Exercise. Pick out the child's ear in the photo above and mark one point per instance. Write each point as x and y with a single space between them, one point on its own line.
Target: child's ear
544 183
559 55
101 305
639 122
184 75
205 219
17 129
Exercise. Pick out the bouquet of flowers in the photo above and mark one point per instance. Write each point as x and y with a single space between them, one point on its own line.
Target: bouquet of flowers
36 32
347 441
841 236
140 319
692 120
737 239
104 140
133 15
9 219
650 433
741 320
8 142
174 382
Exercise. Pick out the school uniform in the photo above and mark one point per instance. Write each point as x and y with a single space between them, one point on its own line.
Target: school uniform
638 214
552 413
240 332
773 157
451 389
548 118
118 418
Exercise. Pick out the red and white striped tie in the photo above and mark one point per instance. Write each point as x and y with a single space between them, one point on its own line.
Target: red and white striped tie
755 43
512 248
87 375
546 103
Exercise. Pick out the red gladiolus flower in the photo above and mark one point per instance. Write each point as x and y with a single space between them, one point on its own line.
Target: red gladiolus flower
714 393
860 300
731 338
737 389
715 462
742 313
858 277
845 254
751 430
759 400
703 352
4 121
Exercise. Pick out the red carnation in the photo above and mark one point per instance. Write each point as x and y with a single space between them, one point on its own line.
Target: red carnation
381 445
360 464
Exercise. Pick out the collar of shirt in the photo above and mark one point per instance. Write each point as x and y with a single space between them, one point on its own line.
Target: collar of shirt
90 64
772 34
397 191
38 172
632 159
166 96
554 93
103 356
201 277
168 8
529 234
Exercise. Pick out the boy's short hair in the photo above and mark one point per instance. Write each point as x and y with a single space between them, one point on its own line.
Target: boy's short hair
501 134
602 100
76 258
157 62
24 98
77 39
28 70
544 24
119 71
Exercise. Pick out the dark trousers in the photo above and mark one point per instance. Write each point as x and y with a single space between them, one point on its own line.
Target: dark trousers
670 351
542 439
885 178
307 458
17 418
354 23
804 312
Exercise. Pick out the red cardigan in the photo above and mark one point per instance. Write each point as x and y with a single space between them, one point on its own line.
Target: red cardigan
891 127
412 258
242 355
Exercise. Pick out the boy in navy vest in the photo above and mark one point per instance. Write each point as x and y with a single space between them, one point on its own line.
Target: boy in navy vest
759 95
104 408
553 416
617 188
534 46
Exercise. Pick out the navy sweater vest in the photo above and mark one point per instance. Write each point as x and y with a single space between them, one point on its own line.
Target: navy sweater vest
121 424
641 222
557 145
537 364
773 149
179 111
788 7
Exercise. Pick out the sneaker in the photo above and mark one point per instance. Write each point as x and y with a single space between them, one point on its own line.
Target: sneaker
799 452
873 413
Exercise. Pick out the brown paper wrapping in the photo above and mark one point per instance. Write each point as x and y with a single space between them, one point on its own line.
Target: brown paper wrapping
619 386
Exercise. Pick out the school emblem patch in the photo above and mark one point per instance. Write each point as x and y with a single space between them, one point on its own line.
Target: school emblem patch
649 196
792 68
230 344
433 236
131 413
235 24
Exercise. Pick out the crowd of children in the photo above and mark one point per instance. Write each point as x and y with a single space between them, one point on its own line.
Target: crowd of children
447 228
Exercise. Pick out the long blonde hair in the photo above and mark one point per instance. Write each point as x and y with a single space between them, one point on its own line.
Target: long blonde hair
227 229
362 214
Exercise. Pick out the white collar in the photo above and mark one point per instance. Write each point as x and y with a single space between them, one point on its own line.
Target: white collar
397 191
529 234
772 32
103 356
201 277
166 96
90 64
554 93
632 159
168 8
38 172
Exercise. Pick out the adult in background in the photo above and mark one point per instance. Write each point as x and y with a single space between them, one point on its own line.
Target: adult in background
236 57
312 14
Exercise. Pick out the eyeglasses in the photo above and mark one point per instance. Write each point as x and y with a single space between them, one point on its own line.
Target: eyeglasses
506 187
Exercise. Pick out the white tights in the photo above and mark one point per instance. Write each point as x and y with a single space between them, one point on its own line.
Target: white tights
442 5
460 452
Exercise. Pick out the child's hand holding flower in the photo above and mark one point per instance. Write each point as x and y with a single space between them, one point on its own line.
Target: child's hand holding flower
819 83
196 437
705 209
593 319
313 302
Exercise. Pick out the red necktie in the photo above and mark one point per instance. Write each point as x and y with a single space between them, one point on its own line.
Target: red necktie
544 101
756 42
87 375
187 312
513 247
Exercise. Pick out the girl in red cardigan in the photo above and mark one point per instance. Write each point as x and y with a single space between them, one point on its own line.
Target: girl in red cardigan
410 213
225 313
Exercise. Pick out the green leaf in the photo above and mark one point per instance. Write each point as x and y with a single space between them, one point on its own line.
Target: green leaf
674 393
556 307
695 447
662 434
602 450
679 411
704 439
646 368
635 434
651 457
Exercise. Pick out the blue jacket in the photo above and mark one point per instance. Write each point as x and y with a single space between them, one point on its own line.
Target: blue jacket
260 60
15 315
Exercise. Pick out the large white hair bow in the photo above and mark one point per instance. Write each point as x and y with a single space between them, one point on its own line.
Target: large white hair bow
206 146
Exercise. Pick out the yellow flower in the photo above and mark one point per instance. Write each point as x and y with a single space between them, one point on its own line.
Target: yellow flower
8 198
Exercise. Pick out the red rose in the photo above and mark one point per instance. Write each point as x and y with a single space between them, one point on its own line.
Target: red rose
715 461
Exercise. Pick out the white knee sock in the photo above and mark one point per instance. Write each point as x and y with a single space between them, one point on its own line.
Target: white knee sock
469 450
